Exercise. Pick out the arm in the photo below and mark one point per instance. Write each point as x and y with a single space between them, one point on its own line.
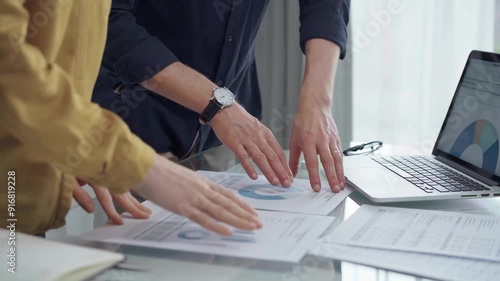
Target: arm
323 40
246 136
131 53
138 58
41 109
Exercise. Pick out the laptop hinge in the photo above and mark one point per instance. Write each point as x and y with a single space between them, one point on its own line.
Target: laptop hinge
467 171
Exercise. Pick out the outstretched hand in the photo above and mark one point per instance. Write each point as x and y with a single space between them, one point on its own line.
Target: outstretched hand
128 202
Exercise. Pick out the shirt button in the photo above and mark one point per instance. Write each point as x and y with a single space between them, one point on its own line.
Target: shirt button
220 82
230 38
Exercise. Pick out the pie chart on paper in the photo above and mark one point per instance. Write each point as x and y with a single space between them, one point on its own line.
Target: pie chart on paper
269 192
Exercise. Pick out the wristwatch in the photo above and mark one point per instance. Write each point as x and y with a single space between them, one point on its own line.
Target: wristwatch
221 98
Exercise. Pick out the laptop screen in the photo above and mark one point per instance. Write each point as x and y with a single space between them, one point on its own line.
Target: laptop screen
471 131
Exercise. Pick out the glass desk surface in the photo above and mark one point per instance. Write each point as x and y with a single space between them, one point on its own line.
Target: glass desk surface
174 265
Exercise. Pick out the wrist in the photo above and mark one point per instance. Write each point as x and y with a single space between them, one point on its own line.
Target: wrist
225 114
317 96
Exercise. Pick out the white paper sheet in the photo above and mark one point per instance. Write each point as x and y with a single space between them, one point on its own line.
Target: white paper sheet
44 260
284 237
425 231
299 198
424 265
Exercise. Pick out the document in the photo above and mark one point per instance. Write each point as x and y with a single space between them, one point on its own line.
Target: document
423 265
35 258
284 237
299 198
424 231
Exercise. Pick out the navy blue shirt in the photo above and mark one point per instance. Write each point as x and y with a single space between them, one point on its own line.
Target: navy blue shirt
216 38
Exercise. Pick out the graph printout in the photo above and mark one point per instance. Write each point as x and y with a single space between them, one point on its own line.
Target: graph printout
299 198
285 236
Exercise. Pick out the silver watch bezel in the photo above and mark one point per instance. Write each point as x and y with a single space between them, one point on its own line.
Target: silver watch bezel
217 96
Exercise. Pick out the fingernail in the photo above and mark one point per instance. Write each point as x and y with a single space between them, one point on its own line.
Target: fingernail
287 183
254 176
89 207
337 187
275 181
317 187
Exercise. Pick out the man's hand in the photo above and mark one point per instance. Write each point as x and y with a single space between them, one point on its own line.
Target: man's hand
106 198
249 139
234 126
315 133
186 193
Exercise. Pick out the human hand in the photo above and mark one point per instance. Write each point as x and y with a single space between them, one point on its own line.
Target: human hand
186 193
106 198
315 133
249 139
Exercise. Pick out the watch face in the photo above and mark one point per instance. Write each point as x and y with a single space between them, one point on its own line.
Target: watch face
224 96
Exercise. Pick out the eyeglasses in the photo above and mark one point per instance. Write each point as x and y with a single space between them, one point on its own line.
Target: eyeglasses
364 149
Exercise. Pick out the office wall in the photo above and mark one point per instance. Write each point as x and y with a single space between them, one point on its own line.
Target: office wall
280 65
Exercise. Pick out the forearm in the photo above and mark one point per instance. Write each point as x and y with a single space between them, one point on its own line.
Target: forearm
322 58
182 85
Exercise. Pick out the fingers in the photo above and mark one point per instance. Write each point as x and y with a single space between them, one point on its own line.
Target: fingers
237 208
138 204
234 198
205 221
106 202
244 159
338 158
82 198
222 214
126 200
261 160
311 157
270 164
295 152
273 143
214 203
328 162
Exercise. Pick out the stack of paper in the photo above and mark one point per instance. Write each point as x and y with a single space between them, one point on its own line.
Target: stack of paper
284 237
33 258
288 233
434 244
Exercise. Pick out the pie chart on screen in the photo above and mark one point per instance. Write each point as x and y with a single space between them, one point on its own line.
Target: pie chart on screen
269 192
480 133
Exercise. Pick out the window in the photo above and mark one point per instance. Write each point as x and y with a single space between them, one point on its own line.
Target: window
407 59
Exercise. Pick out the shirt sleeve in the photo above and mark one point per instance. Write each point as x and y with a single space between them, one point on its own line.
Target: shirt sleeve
41 109
132 54
326 19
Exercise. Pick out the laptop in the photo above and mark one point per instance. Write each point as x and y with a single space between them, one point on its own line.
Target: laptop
465 161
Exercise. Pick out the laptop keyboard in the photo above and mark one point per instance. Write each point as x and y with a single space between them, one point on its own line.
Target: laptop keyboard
429 175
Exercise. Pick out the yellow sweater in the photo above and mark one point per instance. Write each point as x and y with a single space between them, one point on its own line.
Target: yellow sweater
50 132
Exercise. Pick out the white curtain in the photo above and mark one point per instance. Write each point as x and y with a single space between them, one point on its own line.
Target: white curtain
408 56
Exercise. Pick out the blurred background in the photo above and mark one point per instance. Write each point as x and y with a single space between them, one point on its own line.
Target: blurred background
404 61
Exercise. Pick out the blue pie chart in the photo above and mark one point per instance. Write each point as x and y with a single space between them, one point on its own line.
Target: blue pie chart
194 234
483 134
269 192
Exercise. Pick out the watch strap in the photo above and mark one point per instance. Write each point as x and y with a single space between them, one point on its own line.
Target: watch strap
210 111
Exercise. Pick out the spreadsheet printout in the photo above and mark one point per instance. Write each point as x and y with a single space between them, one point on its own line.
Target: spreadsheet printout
425 231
